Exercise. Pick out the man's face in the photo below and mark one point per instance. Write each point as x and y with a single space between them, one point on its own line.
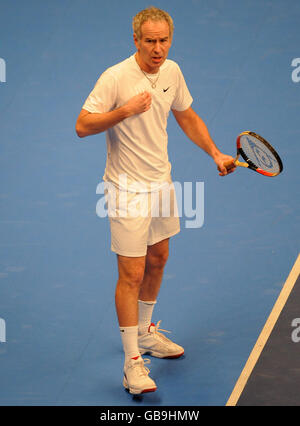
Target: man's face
154 45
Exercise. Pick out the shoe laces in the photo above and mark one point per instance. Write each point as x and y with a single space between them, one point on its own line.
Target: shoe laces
160 329
161 336
140 368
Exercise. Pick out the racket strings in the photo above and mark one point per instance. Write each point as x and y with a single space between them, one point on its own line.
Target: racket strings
259 154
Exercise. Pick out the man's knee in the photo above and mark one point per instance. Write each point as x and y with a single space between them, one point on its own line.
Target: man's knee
158 259
131 272
134 278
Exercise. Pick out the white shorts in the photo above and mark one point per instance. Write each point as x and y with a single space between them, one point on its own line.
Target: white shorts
138 220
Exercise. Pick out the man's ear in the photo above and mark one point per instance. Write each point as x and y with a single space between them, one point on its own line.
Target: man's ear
136 41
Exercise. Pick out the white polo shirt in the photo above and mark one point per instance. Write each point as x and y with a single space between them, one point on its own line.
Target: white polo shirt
137 146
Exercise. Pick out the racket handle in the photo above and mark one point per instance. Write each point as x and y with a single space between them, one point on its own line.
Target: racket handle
230 164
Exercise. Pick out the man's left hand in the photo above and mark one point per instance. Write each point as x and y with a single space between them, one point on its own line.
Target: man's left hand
221 160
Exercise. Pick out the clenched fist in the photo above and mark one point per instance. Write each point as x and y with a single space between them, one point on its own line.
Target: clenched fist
139 103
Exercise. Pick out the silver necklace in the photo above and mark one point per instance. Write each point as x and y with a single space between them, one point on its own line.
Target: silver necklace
153 83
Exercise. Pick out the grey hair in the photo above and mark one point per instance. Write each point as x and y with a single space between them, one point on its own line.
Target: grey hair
153 14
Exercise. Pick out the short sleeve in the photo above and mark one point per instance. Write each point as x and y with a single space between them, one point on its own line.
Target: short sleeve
183 98
103 97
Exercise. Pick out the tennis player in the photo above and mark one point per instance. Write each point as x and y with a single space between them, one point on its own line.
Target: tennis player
131 101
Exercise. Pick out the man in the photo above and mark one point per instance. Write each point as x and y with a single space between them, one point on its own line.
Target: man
131 102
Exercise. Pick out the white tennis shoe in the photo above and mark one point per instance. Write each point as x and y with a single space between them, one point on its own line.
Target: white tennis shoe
157 344
136 376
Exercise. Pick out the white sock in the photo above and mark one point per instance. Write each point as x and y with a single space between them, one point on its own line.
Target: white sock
129 337
145 315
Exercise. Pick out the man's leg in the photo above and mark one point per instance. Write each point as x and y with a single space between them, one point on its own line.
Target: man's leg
150 340
157 256
131 272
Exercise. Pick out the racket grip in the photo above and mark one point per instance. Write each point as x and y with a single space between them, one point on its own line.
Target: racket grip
229 164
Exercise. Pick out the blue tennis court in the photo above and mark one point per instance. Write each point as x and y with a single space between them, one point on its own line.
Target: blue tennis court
60 342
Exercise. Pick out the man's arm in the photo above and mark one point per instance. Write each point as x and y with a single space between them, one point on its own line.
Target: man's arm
196 130
92 123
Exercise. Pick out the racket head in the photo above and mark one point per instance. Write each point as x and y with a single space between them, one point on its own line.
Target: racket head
259 154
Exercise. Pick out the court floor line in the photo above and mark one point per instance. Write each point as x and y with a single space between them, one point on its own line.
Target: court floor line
265 333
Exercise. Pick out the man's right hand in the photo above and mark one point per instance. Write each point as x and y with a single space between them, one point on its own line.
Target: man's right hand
139 103
93 123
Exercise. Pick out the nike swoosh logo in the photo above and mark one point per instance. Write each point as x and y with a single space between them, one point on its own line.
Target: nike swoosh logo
166 89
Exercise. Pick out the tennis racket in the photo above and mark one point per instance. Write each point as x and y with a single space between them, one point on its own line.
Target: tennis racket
258 154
